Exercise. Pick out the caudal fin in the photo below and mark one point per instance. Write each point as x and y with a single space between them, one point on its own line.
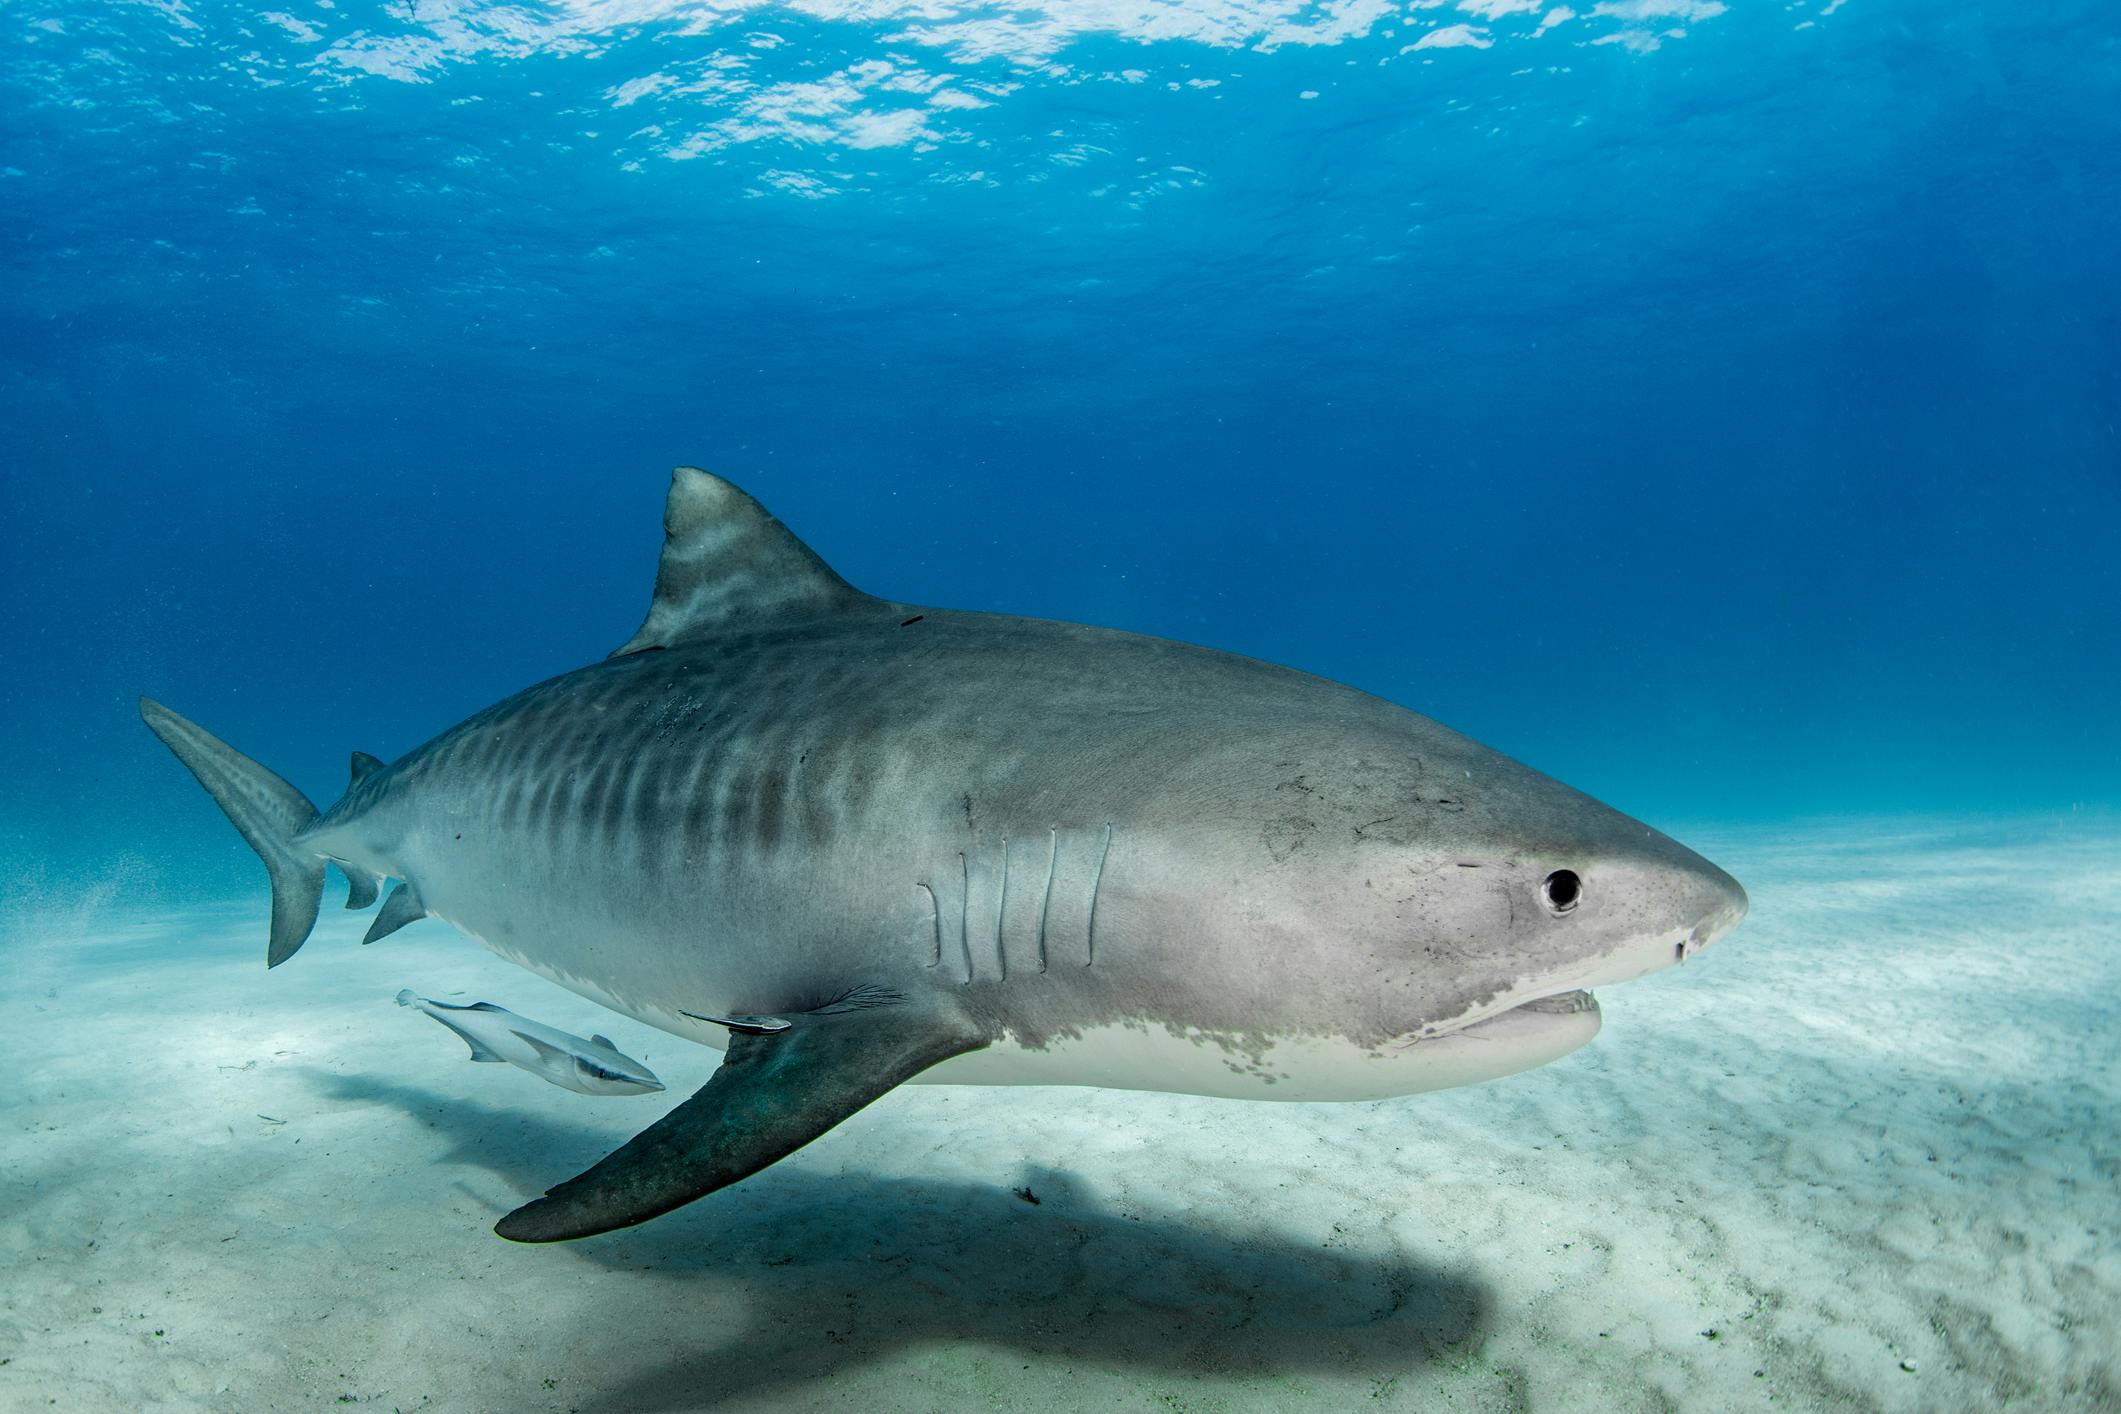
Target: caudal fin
267 810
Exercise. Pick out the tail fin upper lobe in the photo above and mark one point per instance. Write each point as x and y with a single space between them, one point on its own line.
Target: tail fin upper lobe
267 810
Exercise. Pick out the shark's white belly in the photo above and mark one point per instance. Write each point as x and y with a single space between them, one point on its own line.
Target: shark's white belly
1122 1057
1289 1068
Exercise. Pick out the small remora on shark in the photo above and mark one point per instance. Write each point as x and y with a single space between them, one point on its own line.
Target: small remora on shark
855 842
496 1034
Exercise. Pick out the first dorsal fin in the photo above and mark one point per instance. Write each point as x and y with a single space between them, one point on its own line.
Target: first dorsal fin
726 560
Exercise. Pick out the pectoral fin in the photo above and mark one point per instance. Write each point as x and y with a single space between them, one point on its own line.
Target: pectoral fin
479 1052
545 1049
772 1095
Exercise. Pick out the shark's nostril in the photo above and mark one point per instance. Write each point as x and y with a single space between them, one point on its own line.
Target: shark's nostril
1735 903
1719 921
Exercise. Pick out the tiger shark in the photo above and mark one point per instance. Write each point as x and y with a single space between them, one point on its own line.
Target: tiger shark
851 842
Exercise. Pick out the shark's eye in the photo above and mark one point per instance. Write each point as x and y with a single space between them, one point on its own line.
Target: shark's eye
1561 891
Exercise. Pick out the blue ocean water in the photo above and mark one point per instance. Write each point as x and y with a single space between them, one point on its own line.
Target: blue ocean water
1713 404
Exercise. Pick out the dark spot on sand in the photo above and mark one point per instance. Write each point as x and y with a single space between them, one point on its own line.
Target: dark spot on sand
1285 836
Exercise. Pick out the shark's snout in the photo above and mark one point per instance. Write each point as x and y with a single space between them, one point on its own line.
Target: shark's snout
1720 922
1722 906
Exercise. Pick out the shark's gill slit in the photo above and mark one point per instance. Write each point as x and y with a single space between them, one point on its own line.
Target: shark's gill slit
1001 905
1045 899
1097 881
935 917
964 911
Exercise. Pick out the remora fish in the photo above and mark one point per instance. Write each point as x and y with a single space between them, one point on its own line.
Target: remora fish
850 840
494 1033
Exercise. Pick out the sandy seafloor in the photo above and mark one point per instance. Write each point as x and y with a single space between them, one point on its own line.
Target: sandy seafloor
1866 1153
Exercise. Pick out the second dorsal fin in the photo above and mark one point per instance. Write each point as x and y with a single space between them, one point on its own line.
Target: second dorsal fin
726 561
364 766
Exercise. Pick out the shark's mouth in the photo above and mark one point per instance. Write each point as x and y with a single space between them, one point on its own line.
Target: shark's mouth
1521 1020
1560 1004
1538 1015
1516 1038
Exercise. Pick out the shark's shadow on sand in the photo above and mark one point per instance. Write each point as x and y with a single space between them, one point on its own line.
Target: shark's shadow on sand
812 1275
